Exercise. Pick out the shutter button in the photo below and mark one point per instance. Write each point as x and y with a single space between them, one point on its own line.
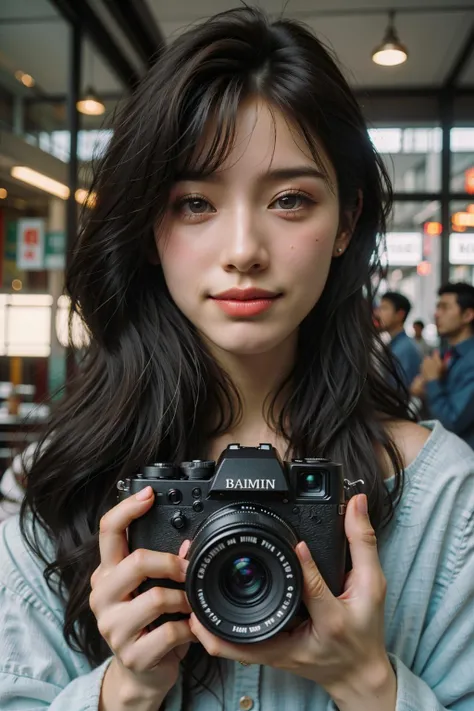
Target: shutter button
246 703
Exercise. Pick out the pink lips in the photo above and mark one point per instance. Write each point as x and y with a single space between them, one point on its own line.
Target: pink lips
245 302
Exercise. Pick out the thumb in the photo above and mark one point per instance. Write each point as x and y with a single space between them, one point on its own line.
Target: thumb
361 537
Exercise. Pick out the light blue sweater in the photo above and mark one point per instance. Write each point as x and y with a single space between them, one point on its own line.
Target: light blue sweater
427 553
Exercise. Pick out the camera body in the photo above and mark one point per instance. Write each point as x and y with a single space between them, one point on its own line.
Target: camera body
244 514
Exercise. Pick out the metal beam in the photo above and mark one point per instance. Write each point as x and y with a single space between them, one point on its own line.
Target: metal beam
407 92
62 98
429 197
74 87
461 61
446 112
80 14
409 9
396 92
139 26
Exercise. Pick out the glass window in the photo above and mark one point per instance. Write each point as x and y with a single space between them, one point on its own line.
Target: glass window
413 252
412 156
462 159
461 242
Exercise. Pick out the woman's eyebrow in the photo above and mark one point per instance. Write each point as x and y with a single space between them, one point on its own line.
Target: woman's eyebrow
301 171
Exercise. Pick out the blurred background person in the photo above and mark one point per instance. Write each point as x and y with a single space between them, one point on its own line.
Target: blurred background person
446 381
423 347
392 314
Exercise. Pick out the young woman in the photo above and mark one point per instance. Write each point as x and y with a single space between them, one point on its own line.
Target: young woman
226 277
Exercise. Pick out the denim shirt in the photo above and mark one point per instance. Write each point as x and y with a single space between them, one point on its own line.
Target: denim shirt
408 356
426 552
451 399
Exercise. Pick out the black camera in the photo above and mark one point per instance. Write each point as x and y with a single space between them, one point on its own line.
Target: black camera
244 515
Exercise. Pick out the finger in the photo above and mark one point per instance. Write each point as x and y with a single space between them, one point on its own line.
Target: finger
125 577
363 546
152 647
127 624
317 596
183 550
258 653
113 525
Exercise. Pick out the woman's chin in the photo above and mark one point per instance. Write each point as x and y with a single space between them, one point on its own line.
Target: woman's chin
246 344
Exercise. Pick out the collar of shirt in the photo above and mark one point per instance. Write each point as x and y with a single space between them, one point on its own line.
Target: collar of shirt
399 336
464 347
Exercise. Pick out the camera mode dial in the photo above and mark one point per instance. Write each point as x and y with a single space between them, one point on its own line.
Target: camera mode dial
198 469
161 470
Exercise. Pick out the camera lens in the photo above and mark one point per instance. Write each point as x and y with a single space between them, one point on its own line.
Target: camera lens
244 580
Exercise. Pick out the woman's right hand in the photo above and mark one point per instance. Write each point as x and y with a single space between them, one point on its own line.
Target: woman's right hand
145 664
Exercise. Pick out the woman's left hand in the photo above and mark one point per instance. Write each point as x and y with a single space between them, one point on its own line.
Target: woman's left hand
341 646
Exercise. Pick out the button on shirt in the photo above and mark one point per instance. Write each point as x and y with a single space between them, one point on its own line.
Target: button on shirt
407 355
426 553
451 399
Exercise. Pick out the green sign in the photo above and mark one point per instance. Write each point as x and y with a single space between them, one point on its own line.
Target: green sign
10 241
55 250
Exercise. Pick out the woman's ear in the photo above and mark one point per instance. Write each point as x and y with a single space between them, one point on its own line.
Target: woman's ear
351 218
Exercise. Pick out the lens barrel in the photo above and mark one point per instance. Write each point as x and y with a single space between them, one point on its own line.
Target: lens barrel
244 580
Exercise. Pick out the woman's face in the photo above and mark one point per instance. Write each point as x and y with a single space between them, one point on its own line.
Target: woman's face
267 221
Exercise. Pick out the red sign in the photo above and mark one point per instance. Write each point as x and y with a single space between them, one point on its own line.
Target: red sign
30 244
424 268
469 181
433 228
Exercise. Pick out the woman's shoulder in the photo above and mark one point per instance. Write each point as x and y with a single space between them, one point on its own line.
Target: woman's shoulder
21 571
426 444
438 487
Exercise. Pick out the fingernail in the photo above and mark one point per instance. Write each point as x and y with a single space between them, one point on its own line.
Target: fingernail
183 564
144 494
304 553
362 506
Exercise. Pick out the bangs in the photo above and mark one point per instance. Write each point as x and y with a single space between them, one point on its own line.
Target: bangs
209 137
208 129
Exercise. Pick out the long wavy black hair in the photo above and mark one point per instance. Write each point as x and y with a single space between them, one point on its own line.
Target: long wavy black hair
147 388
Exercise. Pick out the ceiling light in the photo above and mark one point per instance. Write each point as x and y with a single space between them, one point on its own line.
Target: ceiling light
90 104
25 79
391 52
53 187
38 180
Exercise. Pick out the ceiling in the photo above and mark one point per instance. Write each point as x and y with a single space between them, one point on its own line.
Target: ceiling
35 38
433 35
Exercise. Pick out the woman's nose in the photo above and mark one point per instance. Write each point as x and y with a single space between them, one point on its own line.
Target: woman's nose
245 248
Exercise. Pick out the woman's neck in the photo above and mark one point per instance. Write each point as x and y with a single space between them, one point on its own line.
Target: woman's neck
256 377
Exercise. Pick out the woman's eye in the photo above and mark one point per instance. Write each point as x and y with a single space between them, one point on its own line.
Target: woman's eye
292 201
194 206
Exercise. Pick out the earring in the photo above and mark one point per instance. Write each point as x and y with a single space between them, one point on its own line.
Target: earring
339 250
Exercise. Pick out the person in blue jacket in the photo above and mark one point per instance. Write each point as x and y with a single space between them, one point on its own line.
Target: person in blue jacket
392 314
446 381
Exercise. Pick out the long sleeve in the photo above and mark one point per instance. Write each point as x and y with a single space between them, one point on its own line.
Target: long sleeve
454 408
38 669
414 694
18 692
